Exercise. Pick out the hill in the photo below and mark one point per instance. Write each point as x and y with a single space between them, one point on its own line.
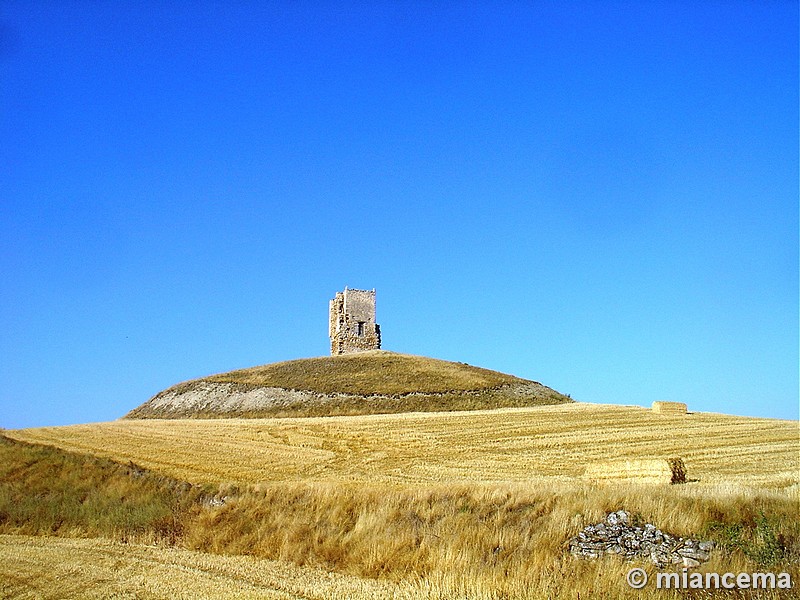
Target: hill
364 383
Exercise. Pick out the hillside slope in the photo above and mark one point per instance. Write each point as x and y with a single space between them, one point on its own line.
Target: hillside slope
46 490
365 383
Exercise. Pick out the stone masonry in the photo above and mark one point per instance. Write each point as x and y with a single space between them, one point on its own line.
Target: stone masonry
617 535
352 326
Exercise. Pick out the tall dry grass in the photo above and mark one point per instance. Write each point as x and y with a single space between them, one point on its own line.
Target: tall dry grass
488 541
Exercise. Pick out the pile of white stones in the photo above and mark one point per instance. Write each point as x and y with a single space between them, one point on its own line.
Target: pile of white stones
616 535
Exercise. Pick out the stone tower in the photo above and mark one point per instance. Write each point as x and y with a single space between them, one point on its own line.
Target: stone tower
352 326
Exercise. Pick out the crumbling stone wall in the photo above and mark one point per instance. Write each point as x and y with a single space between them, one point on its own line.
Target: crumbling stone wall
352 326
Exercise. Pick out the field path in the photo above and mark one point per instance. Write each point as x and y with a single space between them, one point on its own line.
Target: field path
66 568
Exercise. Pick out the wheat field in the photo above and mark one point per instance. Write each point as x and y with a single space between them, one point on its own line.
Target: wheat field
553 442
425 506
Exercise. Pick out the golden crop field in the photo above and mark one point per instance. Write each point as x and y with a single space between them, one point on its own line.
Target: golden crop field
421 506
505 445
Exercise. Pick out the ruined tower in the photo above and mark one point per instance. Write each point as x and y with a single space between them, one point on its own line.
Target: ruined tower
352 326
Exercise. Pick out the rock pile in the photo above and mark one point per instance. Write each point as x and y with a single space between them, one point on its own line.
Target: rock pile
616 535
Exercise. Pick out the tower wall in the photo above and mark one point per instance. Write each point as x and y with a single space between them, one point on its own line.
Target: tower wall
352 326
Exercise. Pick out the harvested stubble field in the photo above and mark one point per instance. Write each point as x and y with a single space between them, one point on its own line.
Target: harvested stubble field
430 505
506 445
99 569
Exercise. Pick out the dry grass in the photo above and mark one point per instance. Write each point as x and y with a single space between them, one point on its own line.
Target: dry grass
510 445
372 372
396 531
446 542
643 470
48 491
443 506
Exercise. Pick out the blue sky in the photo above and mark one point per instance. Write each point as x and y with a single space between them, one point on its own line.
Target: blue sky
599 196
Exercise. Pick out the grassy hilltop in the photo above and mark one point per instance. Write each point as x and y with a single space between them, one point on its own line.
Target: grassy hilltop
374 372
369 382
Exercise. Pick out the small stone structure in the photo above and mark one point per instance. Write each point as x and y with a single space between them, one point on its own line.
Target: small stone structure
617 535
669 408
352 326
